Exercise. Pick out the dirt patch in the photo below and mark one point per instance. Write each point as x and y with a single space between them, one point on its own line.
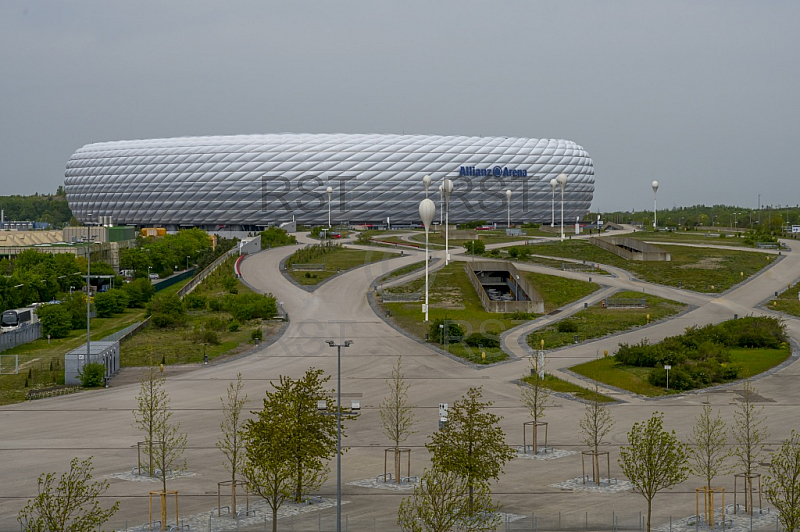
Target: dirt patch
710 263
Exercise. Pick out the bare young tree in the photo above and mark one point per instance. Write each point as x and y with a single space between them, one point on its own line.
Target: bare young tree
71 505
708 451
595 425
535 396
750 436
782 485
164 443
396 416
232 442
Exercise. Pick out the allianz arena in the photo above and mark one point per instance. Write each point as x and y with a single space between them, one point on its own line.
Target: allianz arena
251 181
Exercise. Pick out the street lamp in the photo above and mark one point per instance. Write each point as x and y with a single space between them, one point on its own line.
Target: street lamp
441 209
88 287
508 202
654 184
447 188
553 185
427 182
427 209
331 343
736 219
329 190
562 181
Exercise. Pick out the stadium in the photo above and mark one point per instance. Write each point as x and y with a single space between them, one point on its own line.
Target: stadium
247 182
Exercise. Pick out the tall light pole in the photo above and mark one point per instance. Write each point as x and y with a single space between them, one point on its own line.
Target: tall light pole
427 209
654 184
329 190
508 209
441 205
331 343
553 186
427 182
88 288
736 220
447 188
562 181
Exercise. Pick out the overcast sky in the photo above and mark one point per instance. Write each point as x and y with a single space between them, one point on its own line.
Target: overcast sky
699 95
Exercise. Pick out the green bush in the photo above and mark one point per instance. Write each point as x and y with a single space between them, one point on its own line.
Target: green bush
233 325
56 320
75 303
250 306
139 292
449 329
275 236
214 304
166 311
482 340
476 247
210 337
567 326
114 301
230 284
194 301
215 323
257 334
91 375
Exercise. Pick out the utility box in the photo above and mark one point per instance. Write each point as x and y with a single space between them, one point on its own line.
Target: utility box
106 353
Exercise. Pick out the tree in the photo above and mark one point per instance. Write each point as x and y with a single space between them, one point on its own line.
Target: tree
289 443
750 437
653 460
269 463
396 416
596 424
535 395
708 451
56 320
441 503
231 444
472 444
782 484
475 247
164 443
71 505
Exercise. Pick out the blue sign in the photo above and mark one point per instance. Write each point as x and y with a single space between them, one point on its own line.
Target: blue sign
497 171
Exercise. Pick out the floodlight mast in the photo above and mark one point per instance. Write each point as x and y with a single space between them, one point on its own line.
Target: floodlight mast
562 181
447 188
553 186
508 213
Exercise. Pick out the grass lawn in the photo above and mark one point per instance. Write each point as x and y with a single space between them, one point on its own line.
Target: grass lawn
42 364
486 237
596 321
700 269
787 301
403 271
180 346
634 379
453 297
560 385
337 261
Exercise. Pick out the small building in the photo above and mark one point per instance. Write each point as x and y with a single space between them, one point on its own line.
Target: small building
501 288
106 353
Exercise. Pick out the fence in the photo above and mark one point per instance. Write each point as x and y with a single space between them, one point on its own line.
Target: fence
324 520
173 279
622 302
191 285
23 335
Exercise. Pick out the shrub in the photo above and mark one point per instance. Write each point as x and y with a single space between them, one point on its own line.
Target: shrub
210 337
194 301
114 301
56 321
449 329
250 306
166 311
481 340
275 236
476 247
567 326
139 292
91 375
233 325
257 334
230 284
215 323
214 304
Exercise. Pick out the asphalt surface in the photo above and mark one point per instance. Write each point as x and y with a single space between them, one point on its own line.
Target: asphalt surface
43 435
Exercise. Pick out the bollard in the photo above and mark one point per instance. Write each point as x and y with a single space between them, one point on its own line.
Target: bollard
586 305
576 338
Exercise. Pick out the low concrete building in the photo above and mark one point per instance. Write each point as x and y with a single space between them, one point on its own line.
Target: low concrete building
501 288
106 353
631 249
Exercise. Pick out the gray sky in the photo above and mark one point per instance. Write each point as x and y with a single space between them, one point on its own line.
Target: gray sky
700 95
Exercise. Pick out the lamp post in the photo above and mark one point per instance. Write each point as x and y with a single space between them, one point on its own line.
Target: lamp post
516 288
447 188
331 343
508 208
427 182
736 220
553 186
88 287
329 190
562 181
427 209
441 203
654 184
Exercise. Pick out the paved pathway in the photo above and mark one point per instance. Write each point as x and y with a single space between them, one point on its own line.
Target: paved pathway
44 435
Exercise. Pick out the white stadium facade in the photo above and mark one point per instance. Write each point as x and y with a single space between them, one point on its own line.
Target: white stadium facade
247 182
